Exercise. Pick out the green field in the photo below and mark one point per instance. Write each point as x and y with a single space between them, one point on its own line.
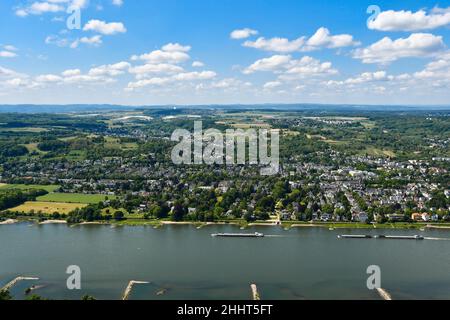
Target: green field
76 155
33 147
25 129
47 207
376 152
115 143
74 198
49 188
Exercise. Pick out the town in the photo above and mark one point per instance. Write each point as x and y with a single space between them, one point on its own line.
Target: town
341 168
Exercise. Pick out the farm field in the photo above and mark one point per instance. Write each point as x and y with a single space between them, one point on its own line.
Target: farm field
48 188
47 207
114 143
33 147
251 125
25 129
74 198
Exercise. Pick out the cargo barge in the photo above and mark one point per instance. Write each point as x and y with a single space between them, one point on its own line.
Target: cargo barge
366 236
355 236
239 235
415 237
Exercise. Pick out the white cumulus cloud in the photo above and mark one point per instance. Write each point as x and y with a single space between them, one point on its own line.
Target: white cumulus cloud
272 63
291 69
322 38
7 54
48 78
272 84
410 21
71 72
170 53
242 33
198 64
281 45
387 50
174 47
105 28
111 70
117 3
149 70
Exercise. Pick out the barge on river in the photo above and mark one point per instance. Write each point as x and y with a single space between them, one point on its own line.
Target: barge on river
364 236
239 235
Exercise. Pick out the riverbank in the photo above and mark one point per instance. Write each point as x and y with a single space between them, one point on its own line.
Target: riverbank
9 221
53 222
241 223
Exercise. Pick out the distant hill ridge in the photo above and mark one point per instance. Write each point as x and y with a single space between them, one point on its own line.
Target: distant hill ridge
85 108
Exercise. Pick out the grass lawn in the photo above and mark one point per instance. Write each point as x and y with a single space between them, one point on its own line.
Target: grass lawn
378 152
49 188
33 147
132 215
47 207
74 198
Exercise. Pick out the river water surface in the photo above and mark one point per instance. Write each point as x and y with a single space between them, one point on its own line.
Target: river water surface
182 262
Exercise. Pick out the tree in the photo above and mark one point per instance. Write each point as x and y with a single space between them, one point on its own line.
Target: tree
12 150
160 212
439 200
87 298
5 295
178 212
249 217
35 297
266 204
118 215
328 208
295 195
280 190
52 145
308 214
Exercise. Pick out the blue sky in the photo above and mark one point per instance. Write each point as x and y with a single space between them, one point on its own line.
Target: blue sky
224 51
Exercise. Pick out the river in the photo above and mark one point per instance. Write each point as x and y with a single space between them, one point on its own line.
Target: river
183 262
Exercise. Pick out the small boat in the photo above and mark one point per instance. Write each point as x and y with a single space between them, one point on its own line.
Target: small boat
239 235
